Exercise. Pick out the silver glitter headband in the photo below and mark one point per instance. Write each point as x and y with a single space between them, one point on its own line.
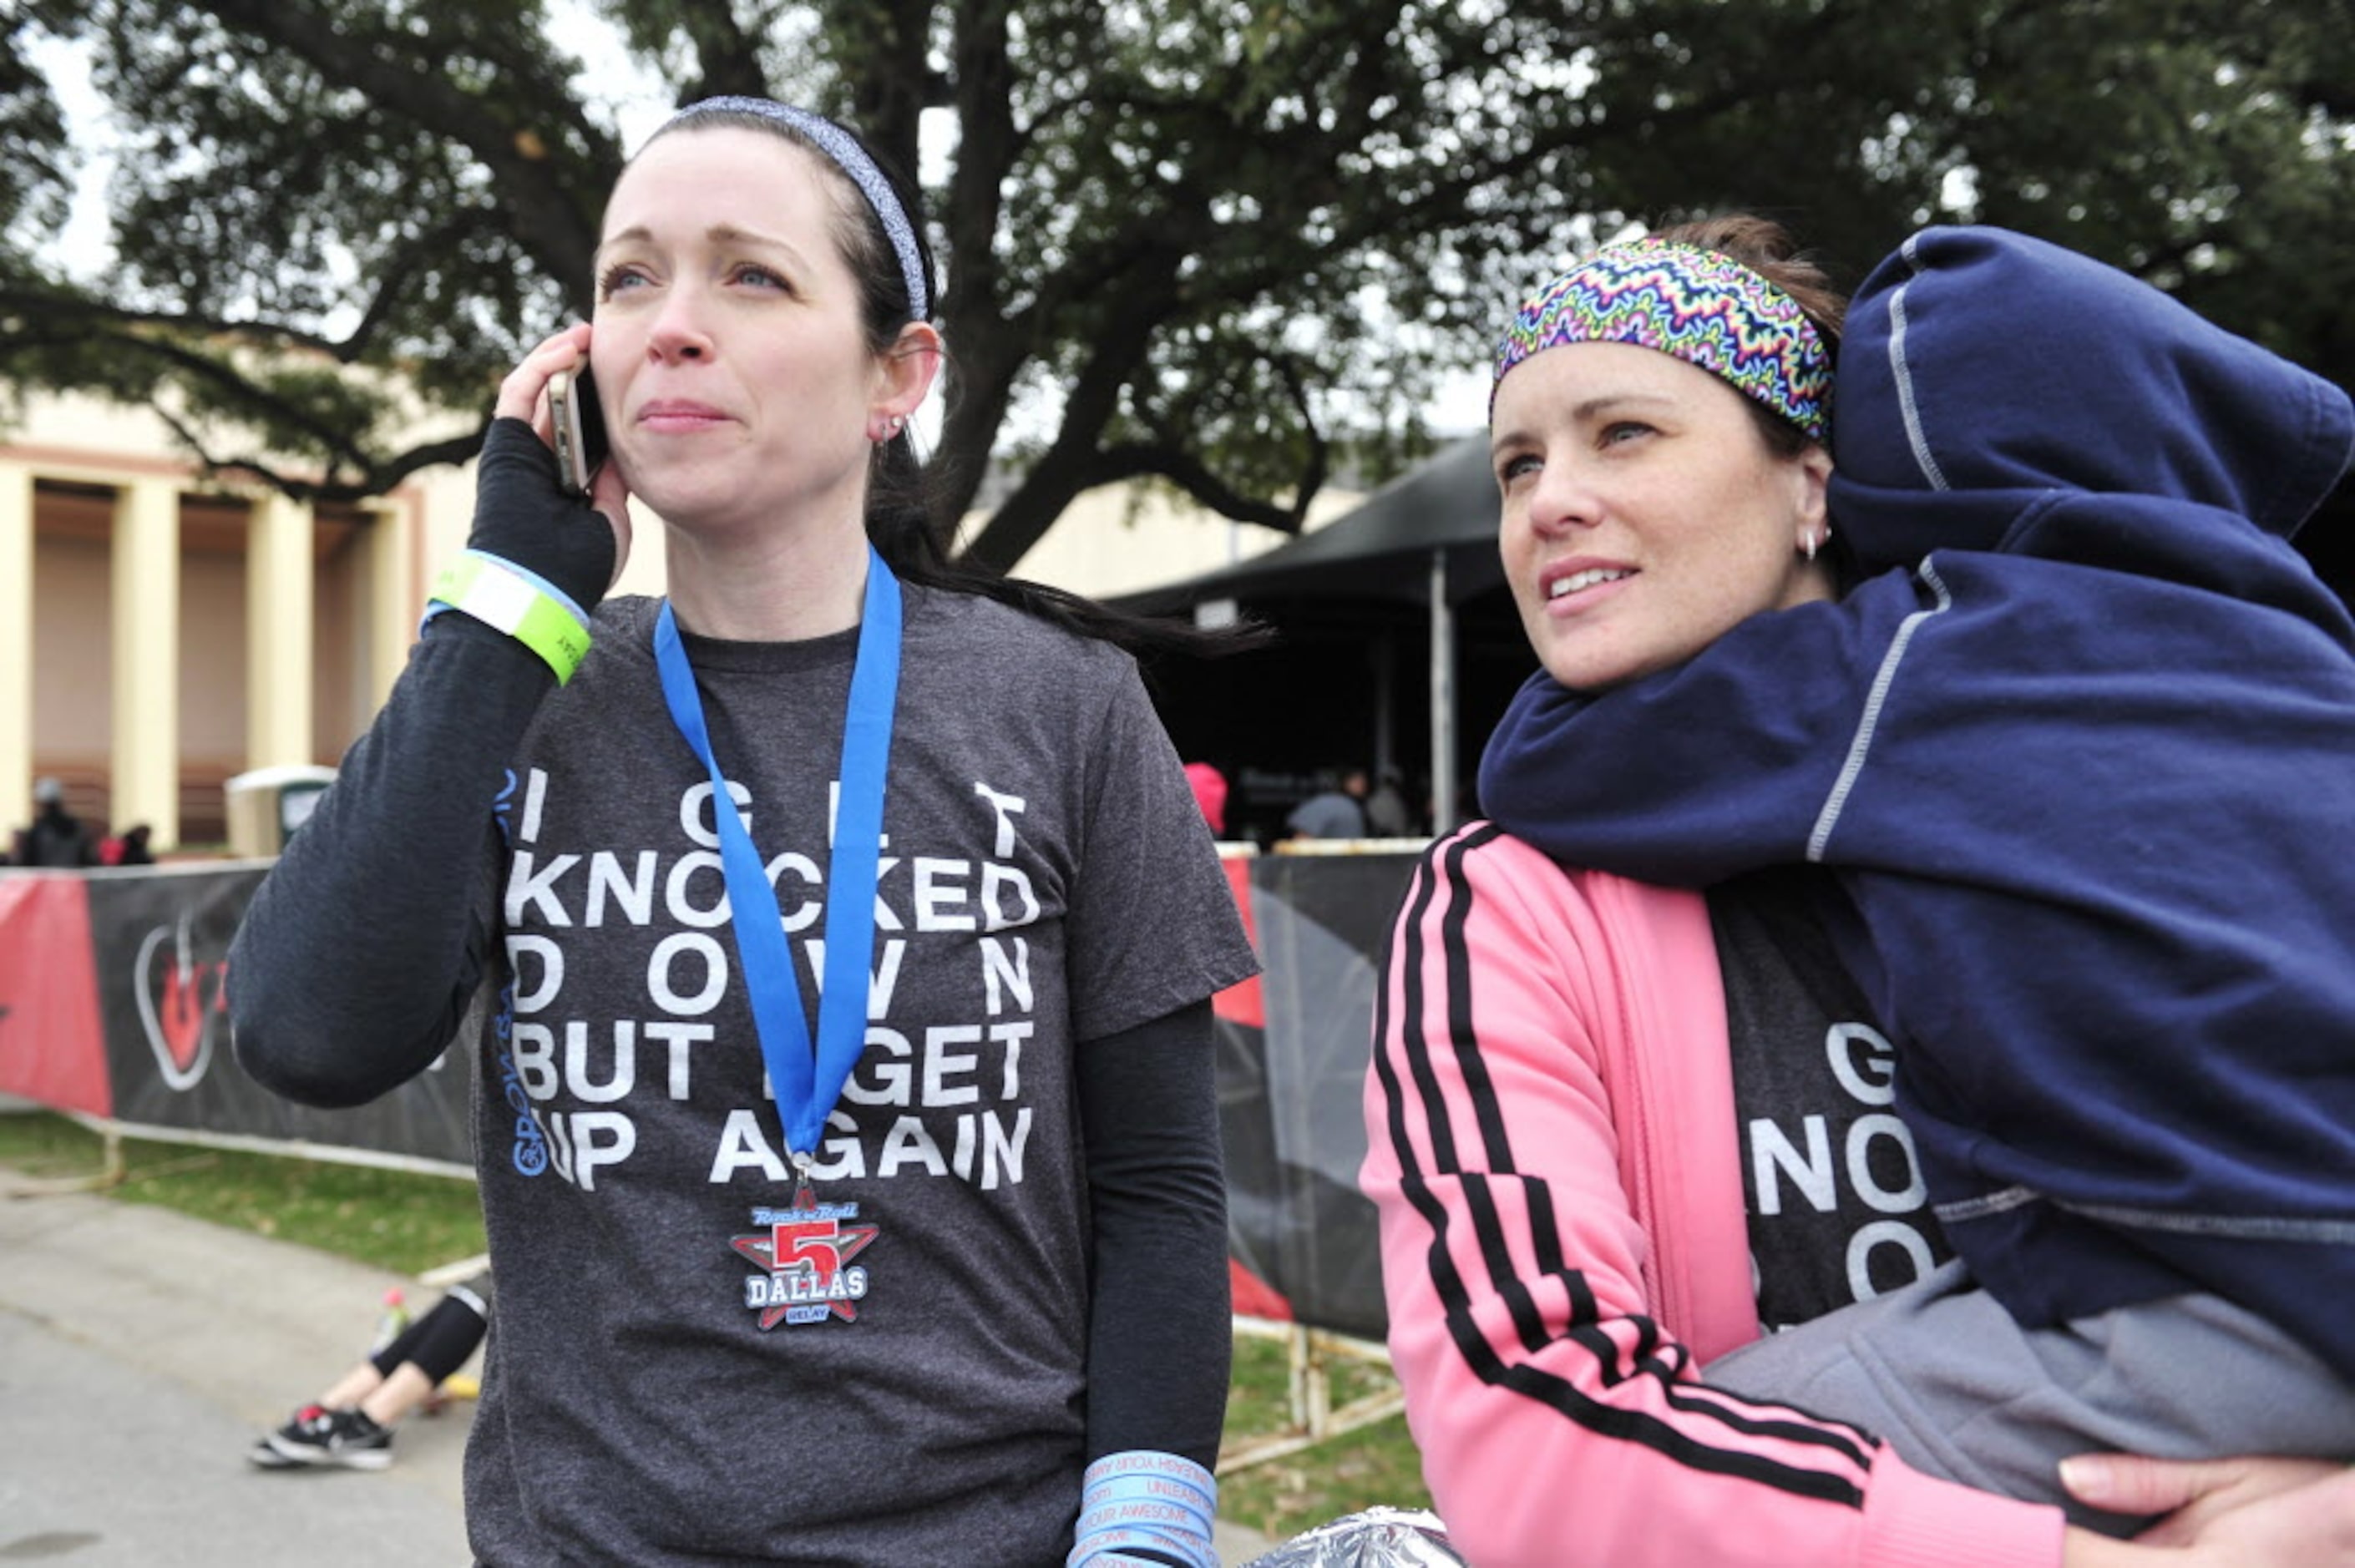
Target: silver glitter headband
849 157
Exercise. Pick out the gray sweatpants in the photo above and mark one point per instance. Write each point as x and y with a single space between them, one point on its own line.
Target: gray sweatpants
1941 1370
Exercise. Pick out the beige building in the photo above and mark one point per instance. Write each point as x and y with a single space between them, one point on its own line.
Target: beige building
1122 539
161 632
164 633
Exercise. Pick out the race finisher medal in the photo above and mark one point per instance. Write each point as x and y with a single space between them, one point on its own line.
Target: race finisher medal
805 1249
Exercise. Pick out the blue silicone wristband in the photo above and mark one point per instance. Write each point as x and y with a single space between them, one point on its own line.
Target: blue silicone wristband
1146 1501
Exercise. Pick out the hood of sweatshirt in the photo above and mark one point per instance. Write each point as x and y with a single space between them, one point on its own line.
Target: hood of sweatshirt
1985 377
2076 747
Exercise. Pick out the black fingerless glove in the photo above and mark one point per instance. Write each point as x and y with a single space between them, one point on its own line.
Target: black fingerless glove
524 515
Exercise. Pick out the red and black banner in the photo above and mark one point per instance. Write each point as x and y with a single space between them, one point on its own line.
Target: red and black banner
114 1002
48 994
116 987
1294 1114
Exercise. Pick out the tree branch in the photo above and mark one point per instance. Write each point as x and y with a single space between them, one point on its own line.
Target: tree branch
369 483
550 225
1159 460
726 58
331 441
416 255
1062 472
47 306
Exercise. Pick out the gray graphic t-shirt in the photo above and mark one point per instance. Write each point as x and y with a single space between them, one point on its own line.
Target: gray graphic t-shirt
895 1374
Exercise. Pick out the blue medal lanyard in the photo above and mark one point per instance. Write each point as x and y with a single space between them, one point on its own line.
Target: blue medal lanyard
808 1082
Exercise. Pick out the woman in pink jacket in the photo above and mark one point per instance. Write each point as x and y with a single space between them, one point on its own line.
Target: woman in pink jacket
1616 1129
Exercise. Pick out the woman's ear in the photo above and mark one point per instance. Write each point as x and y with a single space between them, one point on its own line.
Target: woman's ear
908 369
1811 472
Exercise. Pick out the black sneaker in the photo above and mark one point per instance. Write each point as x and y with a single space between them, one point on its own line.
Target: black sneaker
267 1457
345 1437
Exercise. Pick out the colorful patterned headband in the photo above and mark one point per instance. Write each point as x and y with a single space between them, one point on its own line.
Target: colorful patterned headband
1706 309
849 156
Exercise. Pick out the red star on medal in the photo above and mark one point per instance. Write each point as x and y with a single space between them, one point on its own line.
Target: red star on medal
814 1248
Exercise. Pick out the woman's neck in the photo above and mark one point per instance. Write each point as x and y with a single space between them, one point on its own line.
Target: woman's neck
772 586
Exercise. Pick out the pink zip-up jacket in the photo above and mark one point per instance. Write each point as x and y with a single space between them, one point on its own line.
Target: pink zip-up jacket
1553 1154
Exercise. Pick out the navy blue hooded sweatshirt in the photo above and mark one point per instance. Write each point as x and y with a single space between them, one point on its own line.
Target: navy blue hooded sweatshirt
2082 746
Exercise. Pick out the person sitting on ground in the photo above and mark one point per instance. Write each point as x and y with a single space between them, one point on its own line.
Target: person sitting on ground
351 1424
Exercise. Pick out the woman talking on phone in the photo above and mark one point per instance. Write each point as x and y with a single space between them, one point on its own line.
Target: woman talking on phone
845 930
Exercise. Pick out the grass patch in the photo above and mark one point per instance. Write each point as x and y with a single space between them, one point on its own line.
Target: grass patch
409 1222
1375 1463
398 1220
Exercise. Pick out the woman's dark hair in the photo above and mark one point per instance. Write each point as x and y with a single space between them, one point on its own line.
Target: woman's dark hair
1767 249
900 521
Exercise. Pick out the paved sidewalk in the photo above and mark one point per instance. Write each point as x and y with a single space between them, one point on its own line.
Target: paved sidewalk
141 1354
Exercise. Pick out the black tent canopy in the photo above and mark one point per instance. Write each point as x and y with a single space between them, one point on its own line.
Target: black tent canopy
1382 550
1414 564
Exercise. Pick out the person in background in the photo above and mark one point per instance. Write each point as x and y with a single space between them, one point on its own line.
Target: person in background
1210 788
129 848
57 838
1337 809
1387 813
849 1142
350 1426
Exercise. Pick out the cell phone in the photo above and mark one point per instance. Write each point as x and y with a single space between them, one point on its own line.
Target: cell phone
580 428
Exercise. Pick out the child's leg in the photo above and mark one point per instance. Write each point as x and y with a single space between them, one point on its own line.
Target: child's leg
353 1387
392 1401
427 1351
439 1343
1942 1371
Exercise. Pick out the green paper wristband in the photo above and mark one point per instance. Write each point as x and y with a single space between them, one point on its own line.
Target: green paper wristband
502 596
